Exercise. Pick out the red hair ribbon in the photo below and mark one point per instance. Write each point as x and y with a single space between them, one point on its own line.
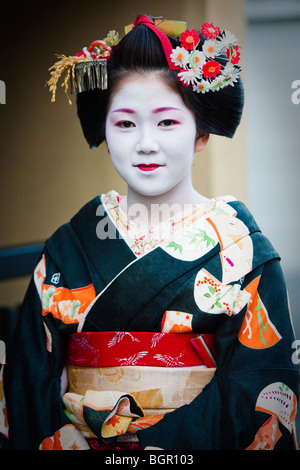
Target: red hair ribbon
164 40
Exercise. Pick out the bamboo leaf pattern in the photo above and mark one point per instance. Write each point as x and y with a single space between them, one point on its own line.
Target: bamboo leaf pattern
200 238
175 245
284 388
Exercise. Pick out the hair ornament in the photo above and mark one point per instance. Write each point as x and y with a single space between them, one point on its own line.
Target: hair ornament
209 67
164 40
199 67
86 70
170 27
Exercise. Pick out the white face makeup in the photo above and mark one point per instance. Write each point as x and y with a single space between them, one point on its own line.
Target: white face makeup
151 136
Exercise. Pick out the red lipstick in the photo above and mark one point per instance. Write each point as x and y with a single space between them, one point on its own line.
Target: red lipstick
149 167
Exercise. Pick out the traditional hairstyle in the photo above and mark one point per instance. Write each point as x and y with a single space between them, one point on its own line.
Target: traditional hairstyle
217 111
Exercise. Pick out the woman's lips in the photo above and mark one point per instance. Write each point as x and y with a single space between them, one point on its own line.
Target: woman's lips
149 167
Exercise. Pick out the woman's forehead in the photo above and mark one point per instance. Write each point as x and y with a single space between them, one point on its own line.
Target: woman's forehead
142 89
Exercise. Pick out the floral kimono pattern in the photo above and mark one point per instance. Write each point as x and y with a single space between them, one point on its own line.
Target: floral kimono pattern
207 271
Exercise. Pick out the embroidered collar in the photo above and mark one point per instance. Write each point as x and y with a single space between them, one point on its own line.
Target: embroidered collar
142 241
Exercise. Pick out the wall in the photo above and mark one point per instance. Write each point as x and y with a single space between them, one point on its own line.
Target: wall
273 140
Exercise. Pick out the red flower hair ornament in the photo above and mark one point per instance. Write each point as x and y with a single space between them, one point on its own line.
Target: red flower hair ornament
189 39
211 67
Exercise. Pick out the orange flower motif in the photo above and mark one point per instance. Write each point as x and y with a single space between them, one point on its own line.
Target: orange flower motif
180 328
52 443
113 421
189 39
66 304
176 322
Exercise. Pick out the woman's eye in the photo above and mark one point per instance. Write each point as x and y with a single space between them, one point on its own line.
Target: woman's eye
167 123
125 124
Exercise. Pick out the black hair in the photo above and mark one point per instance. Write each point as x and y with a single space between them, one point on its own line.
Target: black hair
217 112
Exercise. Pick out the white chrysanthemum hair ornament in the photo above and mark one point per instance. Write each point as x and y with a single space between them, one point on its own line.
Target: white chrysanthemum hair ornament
200 68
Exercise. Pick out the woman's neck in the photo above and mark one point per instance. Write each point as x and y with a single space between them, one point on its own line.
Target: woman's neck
150 210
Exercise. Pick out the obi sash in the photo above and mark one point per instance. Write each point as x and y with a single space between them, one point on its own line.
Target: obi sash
119 348
121 382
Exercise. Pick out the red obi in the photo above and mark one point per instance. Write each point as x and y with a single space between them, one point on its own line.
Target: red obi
114 348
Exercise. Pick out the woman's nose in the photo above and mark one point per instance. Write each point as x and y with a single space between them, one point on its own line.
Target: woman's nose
147 142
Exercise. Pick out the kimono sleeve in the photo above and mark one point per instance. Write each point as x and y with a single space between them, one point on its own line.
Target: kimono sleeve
251 401
32 376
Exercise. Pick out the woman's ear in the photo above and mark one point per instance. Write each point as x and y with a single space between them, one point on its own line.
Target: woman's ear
201 141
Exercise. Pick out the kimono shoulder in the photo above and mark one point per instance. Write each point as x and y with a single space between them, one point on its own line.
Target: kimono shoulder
243 223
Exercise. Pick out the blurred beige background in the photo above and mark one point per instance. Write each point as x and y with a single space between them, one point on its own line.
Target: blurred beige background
47 169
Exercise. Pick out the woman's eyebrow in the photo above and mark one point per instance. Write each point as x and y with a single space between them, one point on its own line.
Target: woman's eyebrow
124 110
166 108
